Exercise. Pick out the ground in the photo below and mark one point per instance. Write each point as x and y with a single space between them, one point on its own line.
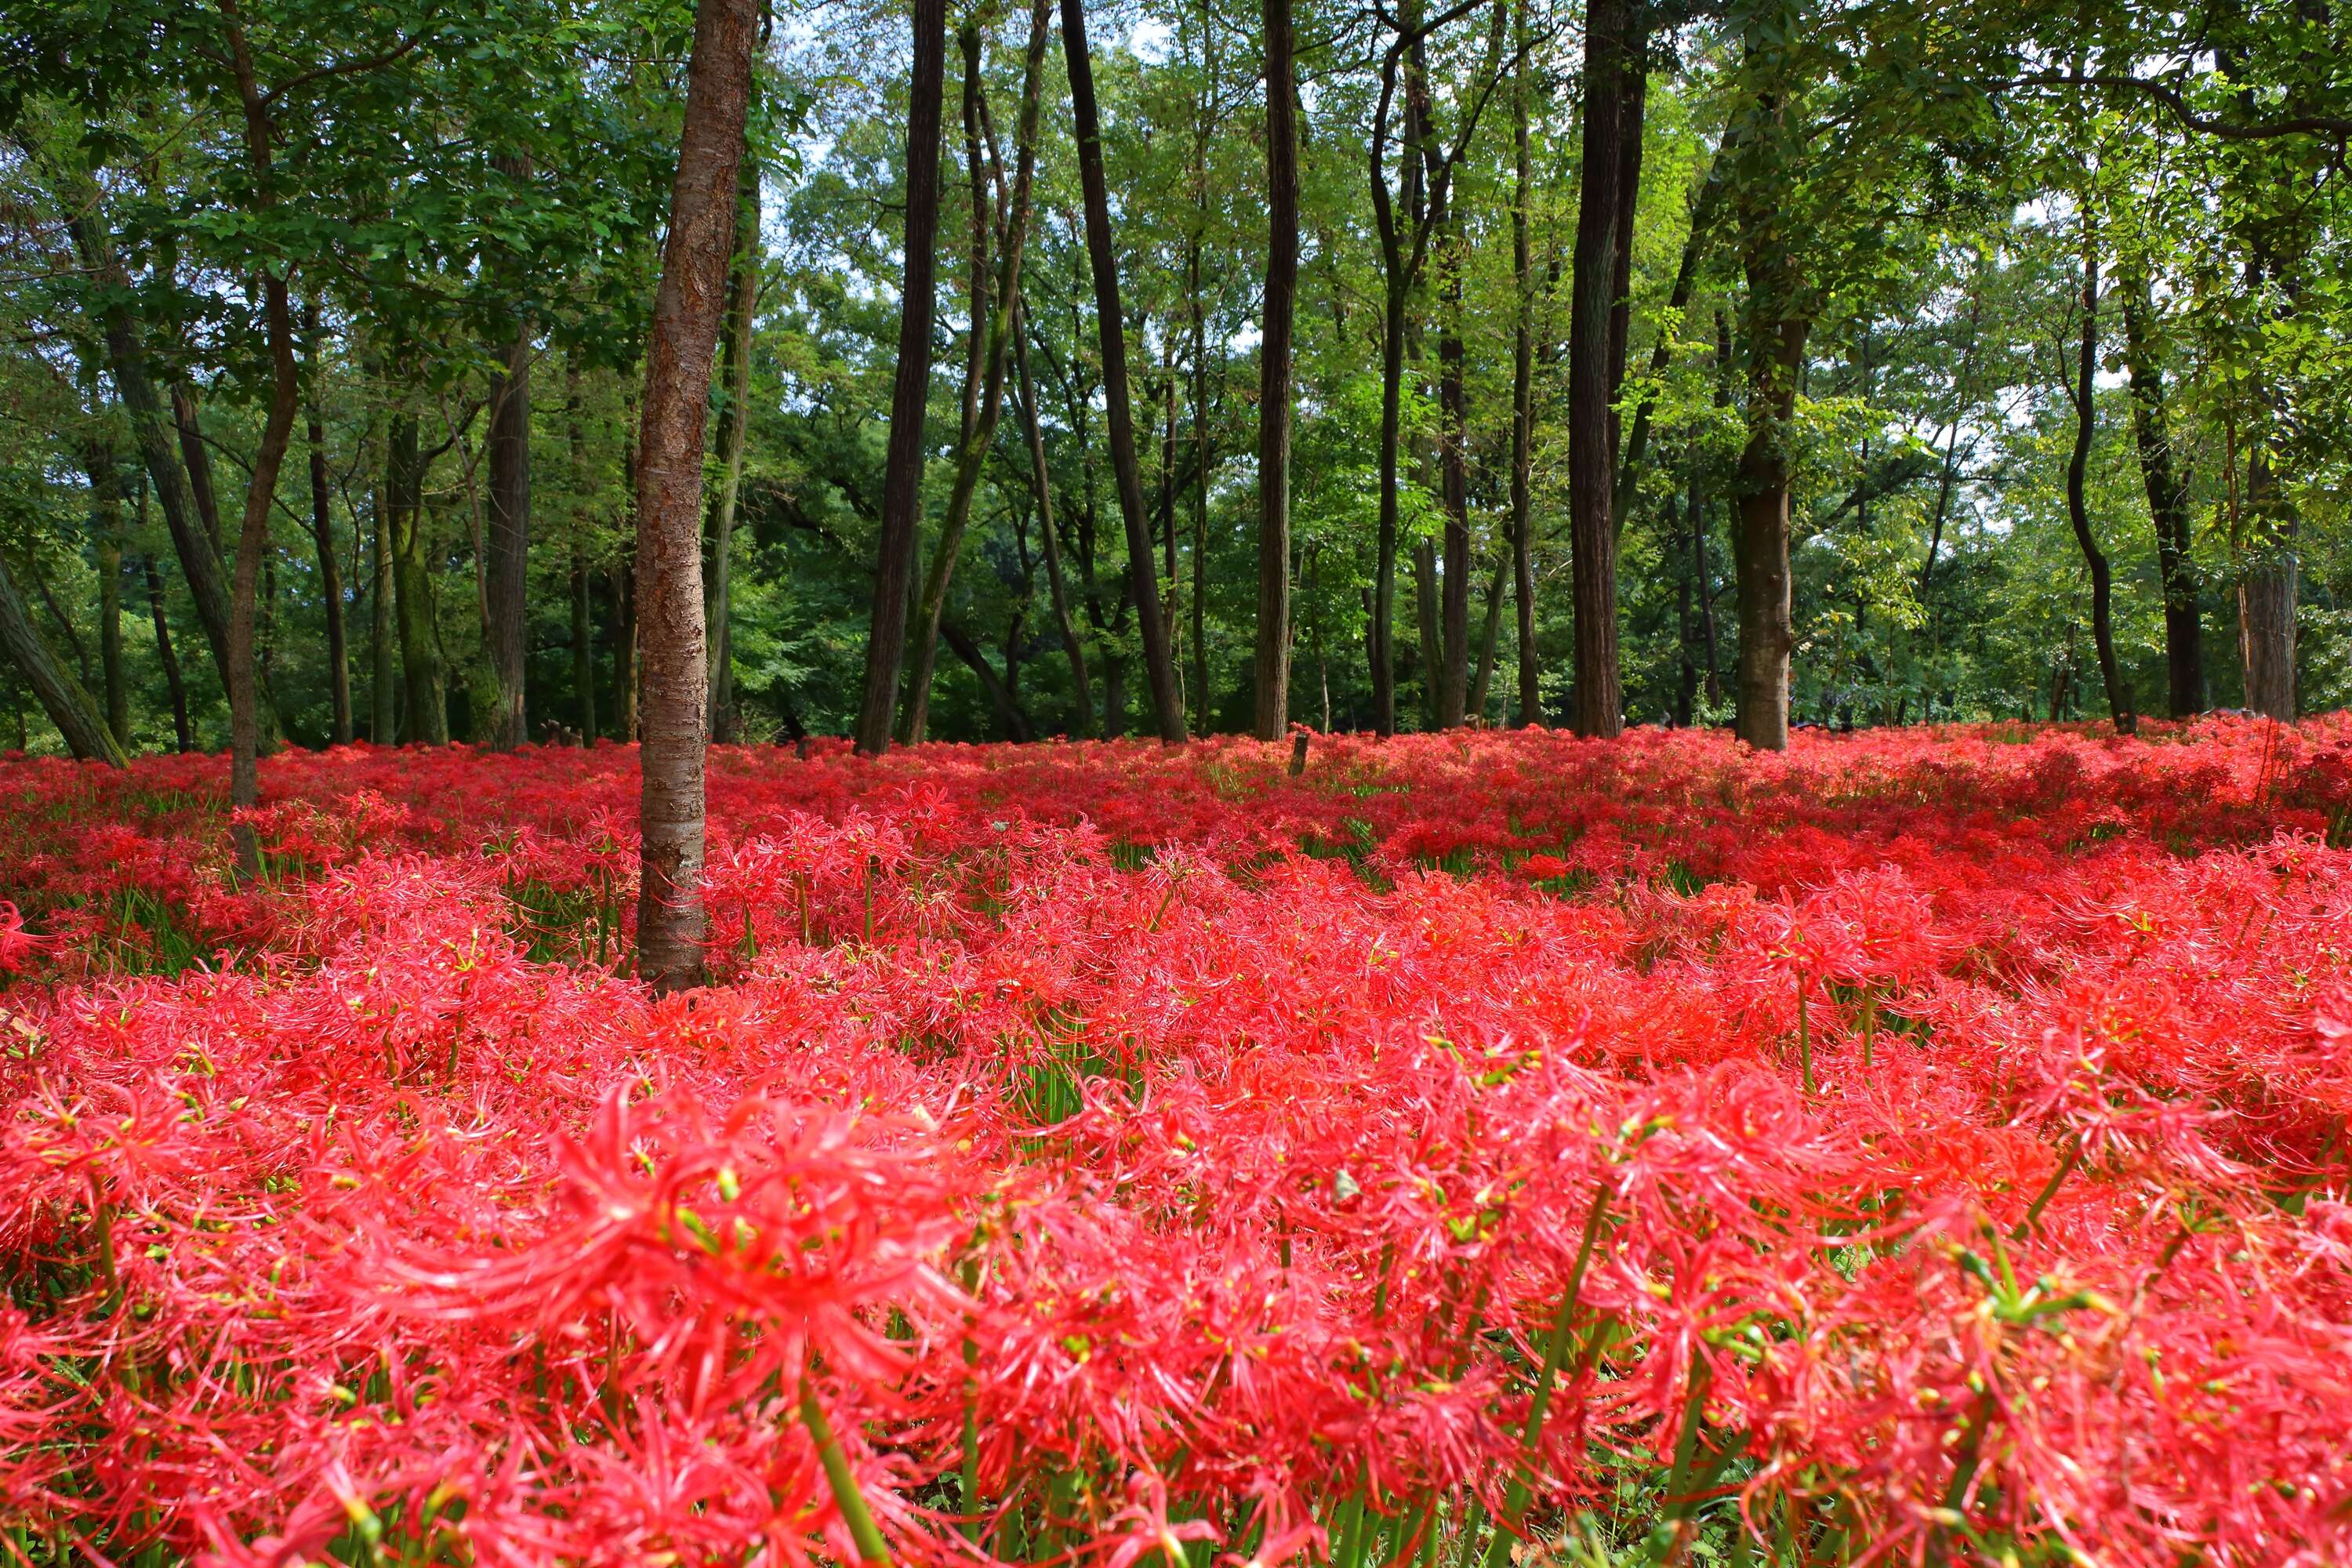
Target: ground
1924 1146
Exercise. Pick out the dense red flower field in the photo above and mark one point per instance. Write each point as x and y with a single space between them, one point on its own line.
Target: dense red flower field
1924 1147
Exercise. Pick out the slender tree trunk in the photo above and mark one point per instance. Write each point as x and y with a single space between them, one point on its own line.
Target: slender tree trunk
1159 665
1661 352
2167 506
1202 456
278 428
126 353
59 693
685 336
507 546
106 507
1760 540
1702 576
188 419
1489 639
1591 452
624 584
183 734
1453 602
1276 317
1041 480
1523 575
995 329
734 425
902 475
322 533
383 681
1380 638
424 698
2103 633
583 642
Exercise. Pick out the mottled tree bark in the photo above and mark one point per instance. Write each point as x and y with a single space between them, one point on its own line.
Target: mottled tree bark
674 680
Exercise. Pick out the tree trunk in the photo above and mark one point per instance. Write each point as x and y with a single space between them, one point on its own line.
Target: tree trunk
1159 665
1454 460
197 457
583 641
996 327
1270 664
1041 480
1426 594
276 431
1523 575
424 706
1379 639
1703 580
2167 506
2268 588
383 681
2103 632
734 425
59 693
507 568
1001 695
322 533
183 735
675 674
1203 454
1661 352
1489 639
1591 452
105 506
199 560
902 474
1760 540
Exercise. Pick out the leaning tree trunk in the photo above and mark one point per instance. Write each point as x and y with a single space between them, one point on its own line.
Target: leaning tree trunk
902 471
56 687
734 427
1111 326
1591 449
126 355
674 673
1270 660
2167 506
2078 511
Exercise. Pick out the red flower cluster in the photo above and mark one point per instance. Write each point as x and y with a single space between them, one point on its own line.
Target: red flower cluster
1924 1148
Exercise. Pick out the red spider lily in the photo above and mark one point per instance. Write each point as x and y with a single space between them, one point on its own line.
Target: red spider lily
1102 1154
